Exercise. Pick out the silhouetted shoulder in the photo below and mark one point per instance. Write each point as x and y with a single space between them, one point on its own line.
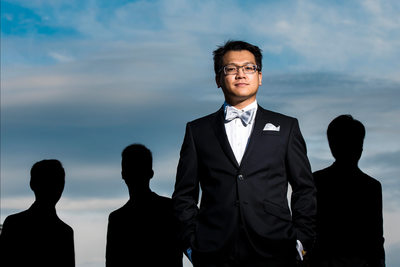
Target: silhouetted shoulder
155 202
335 175
163 204
17 217
122 211
162 199
29 219
369 179
34 239
69 228
370 183
322 173
323 177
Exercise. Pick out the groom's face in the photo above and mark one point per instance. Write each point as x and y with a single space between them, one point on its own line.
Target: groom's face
240 87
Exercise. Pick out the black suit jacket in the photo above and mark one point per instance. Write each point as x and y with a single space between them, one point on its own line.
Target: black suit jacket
36 238
143 232
349 216
254 192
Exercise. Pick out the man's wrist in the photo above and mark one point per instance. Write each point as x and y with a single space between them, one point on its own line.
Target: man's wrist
188 253
300 249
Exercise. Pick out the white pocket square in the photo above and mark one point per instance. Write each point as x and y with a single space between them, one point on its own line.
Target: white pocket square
271 127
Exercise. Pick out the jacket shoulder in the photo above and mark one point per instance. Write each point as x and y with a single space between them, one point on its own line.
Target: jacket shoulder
322 172
205 119
121 211
275 115
204 123
370 181
20 217
323 177
68 229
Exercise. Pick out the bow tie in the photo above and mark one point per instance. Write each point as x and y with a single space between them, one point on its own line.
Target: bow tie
233 113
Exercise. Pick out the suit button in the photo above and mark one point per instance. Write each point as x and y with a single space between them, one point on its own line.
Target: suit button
241 177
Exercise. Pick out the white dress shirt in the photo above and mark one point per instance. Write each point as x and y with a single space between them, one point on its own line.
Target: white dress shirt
239 134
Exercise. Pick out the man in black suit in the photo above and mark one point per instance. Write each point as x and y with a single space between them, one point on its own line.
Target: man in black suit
143 231
37 236
349 214
242 157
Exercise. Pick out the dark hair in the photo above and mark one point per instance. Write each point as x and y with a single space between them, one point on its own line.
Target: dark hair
47 172
345 126
232 45
346 136
137 154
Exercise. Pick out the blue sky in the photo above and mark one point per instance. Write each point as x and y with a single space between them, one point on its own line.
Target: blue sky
80 80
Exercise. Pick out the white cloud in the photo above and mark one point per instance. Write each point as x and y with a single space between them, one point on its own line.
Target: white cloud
61 57
391 227
359 37
90 230
335 37
17 203
373 6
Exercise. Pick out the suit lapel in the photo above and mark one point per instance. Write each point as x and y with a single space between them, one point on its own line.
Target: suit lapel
255 134
220 133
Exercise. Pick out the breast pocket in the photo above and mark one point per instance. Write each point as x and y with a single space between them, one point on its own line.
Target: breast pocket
277 133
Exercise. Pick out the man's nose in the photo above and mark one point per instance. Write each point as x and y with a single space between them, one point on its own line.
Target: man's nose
240 73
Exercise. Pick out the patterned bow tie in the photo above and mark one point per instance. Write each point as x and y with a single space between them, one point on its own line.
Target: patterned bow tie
233 113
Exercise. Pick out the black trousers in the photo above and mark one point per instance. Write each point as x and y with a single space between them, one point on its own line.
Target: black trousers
239 253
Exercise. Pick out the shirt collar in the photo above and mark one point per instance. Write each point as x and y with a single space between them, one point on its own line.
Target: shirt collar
250 106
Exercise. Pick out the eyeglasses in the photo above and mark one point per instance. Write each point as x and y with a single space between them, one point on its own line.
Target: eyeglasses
233 69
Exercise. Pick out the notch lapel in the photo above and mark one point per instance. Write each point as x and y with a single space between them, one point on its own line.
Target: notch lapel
220 133
255 134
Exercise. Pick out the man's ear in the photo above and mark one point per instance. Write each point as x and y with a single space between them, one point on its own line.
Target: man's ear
259 78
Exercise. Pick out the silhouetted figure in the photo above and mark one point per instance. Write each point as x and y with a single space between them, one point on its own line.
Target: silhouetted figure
37 237
143 231
349 209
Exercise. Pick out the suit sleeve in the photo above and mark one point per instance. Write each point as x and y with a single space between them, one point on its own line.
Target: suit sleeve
8 244
303 200
115 253
186 193
377 222
110 243
70 254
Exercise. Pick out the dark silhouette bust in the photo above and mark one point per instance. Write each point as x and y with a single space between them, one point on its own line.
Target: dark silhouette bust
349 215
37 237
143 231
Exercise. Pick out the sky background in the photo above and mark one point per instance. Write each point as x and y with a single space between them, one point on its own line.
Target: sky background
81 80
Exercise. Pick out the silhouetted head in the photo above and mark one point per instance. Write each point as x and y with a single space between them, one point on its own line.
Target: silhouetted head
346 139
235 46
47 181
137 165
